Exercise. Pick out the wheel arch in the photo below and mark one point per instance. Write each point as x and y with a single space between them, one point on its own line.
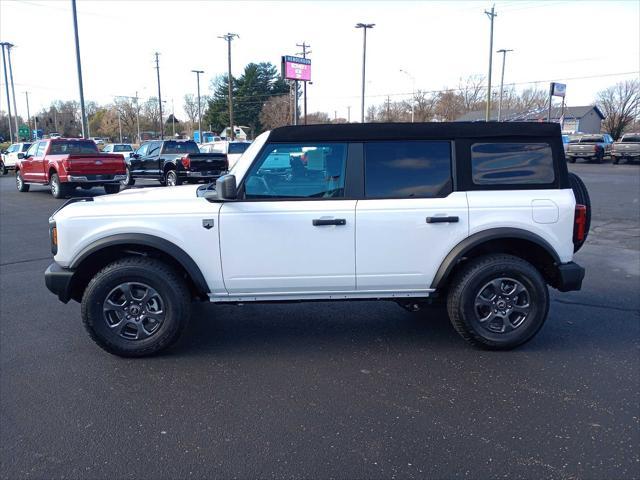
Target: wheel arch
101 252
518 242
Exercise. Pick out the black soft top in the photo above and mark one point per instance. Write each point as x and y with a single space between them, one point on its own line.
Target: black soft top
355 132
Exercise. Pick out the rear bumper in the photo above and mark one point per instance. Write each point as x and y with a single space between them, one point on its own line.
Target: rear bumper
570 276
202 175
99 179
58 281
583 155
626 154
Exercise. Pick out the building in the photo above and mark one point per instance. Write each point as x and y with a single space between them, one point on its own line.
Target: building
586 119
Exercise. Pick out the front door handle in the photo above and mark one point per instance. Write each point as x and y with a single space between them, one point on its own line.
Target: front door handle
319 222
443 219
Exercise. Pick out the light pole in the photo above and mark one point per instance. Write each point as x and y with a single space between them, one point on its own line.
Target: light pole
173 119
201 137
6 85
364 27
159 96
26 94
491 16
13 90
228 38
79 67
504 57
413 92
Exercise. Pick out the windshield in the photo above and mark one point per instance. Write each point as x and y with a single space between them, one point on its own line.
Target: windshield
597 139
238 147
122 148
180 147
73 147
631 139
243 164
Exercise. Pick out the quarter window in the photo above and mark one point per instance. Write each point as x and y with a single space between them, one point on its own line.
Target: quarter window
411 169
298 171
512 163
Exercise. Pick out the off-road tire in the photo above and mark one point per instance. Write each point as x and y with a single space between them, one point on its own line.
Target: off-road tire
58 189
164 279
20 185
112 188
469 281
582 198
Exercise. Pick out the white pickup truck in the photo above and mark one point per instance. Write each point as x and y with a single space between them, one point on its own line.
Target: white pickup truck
482 216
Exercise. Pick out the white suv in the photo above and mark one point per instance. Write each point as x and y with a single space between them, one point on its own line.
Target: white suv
481 215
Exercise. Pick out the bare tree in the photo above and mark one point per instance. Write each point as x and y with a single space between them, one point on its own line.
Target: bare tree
449 106
317 117
619 104
425 105
276 112
531 99
191 108
472 93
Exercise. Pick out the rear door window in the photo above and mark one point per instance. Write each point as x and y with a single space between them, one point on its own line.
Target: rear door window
512 163
408 169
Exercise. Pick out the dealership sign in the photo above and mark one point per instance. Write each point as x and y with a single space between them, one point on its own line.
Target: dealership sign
558 89
296 68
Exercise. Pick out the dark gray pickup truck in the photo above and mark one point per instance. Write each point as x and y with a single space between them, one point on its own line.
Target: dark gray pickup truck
173 162
628 148
590 147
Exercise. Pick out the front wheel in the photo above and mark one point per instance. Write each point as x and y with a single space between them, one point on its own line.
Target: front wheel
498 302
136 307
129 180
20 185
3 168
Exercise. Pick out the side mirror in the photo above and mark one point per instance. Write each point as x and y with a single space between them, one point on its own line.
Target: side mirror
134 155
226 187
21 156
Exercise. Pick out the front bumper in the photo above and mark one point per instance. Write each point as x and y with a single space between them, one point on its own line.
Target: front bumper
58 281
95 178
570 276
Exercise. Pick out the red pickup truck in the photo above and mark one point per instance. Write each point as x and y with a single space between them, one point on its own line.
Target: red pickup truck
66 163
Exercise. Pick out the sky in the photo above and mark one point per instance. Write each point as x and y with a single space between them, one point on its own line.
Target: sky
588 45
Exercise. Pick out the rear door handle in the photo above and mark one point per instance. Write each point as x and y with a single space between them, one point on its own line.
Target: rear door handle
443 219
319 222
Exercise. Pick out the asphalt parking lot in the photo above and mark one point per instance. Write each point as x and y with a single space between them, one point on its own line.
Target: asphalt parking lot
318 390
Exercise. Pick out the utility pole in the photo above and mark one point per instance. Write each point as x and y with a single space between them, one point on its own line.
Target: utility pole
413 92
305 52
388 108
491 16
173 120
120 126
79 66
13 90
364 27
26 94
349 114
138 117
159 96
228 38
198 72
504 56
6 86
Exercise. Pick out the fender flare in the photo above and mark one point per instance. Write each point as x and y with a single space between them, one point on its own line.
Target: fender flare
462 248
165 246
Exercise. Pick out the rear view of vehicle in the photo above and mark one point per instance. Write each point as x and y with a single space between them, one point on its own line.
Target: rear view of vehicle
589 147
627 149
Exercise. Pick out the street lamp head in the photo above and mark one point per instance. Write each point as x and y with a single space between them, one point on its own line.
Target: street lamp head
197 71
504 50
365 25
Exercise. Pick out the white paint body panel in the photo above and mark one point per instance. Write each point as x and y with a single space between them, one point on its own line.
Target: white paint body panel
518 208
396 249
270 247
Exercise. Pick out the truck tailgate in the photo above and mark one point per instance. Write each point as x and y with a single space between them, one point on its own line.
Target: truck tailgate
208 162
92 164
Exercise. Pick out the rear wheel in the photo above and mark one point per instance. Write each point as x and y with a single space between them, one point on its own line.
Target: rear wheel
498 302
20 185
112 188
171 179
136 307
571 159
3 169
581 194
58 189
